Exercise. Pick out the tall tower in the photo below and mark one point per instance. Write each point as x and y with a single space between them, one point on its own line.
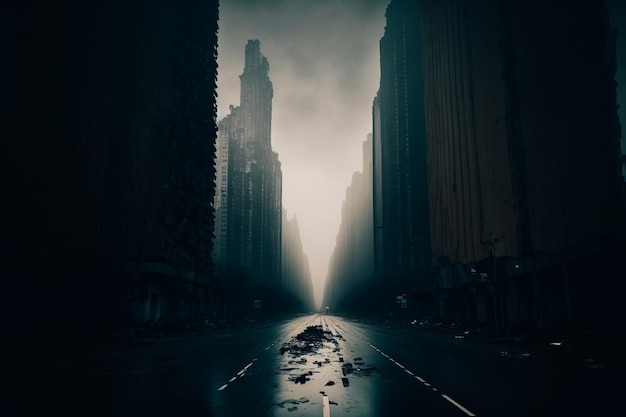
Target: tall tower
401 212
256 96
249 200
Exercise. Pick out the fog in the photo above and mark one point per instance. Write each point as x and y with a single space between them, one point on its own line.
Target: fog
324 66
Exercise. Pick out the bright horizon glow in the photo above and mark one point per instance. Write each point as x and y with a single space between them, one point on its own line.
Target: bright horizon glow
324 66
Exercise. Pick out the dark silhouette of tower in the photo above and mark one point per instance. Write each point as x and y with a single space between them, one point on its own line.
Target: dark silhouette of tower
401 212
250 189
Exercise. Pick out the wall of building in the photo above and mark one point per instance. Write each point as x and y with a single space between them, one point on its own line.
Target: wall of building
523 152
110 107
402 237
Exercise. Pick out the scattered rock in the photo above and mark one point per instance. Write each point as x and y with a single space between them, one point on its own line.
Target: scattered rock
347 368
302 379
292 401
330 383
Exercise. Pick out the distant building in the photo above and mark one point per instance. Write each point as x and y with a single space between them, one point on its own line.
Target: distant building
526 203
401 211
249 198
350 284
296 274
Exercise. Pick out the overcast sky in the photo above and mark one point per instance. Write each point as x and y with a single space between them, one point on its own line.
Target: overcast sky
324 65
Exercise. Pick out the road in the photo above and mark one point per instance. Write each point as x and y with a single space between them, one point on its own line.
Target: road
319 365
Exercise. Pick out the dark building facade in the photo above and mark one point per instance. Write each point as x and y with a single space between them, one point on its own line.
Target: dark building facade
617 12
401 211
525 190
111 110
250 183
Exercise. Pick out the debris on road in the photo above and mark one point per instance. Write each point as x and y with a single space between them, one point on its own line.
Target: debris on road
308 342
302 379
292 402
349 369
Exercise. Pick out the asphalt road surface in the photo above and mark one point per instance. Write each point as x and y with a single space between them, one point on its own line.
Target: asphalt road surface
319 365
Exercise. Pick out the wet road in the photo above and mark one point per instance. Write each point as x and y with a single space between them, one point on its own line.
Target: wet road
319 365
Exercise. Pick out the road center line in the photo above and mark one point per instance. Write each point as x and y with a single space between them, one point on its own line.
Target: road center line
459 406
222 387
325 406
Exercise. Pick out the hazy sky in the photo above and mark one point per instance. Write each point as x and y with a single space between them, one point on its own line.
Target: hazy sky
324 66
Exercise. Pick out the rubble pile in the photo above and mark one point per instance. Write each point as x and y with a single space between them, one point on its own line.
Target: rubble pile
309 341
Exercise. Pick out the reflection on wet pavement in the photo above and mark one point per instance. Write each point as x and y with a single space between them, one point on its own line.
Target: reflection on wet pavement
315 373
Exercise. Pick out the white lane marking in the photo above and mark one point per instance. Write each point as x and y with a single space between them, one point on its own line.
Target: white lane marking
409 372
222 387
245 368
325 406
232 379
459 406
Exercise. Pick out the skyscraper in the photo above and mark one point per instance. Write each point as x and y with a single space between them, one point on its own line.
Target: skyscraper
401 212
524 159
249 193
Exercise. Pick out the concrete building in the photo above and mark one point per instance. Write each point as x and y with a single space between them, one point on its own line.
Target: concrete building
112 120
249 198
525 191
401 211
